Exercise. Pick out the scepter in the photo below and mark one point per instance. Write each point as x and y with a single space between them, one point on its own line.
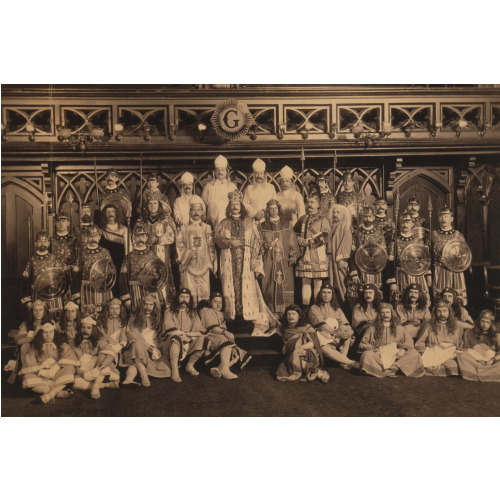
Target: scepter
303 160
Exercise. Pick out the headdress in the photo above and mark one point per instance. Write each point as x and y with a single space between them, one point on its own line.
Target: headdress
153 176
88 321
184 290
48 327
41 234
369 286
413 199
220 162
445 210
406 216
486 313
286 172
114 302
38 302
110 172
235 196
258 165
187 178
347 176
61 216
71 306
139 229
196 200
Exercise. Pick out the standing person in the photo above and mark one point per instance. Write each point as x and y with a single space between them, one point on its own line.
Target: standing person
413 310
439 341
143 331
387 348
92 298
334 331
221 342
132 289
182 202
385 225
280 254
326 198
153 188
462 316
66 248
96 360
70 323
349 197
240 244
341 248
406 237
215 193
41 262
86 220
115 239
259 192
303 357
413 208
183 335
313 234
443 276
368 234
196 252
290 200
50 365
480 360
109 195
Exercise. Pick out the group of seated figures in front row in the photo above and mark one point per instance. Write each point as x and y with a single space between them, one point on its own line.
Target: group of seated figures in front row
102 296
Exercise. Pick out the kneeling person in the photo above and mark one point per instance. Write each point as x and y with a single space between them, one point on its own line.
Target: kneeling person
388 349
221 342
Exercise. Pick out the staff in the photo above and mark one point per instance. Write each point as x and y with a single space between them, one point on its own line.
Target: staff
303 160
140 188
98 203
430 208
334 167
396 222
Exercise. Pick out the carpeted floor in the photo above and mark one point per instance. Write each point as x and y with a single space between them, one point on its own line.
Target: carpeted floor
256 393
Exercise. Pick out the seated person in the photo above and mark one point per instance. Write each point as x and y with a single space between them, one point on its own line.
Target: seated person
413 310
335 334
49 365
143 330
221 342
113 322
480 359
364 313
387 349
439 341
302 354
462 317
182 335
97 360
70 323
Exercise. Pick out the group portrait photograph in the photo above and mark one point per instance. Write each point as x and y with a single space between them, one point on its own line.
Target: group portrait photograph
205 249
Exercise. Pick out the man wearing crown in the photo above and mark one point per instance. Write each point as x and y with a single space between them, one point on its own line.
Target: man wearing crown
240 243
444 277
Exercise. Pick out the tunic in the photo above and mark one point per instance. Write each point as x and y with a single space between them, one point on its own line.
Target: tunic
472 367
197 257
175 327
305 366
361 238
90 297
292 205
108 199
87 355
350 200
116 241
131 287
280 254
238 266
256 197
53 377
144 345
116 333
210 319
326 202
215 197
36 265
408 316
443 277
379 354
318 314
430 340
387 227
66 249
313 263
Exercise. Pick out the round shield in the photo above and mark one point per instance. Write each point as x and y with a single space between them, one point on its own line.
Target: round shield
122 205
154 275
420 232
102 275
371 258
415 259
457 256
51 283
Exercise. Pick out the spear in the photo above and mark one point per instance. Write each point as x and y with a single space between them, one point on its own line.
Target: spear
334 167
430 209
396 221
96 183
140 188
303 160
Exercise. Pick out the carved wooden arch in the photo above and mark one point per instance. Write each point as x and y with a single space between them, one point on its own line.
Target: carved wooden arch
30 188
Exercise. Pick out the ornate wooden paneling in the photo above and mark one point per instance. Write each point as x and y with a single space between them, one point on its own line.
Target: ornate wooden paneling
369 116
18 119
144 120
410 118
77 118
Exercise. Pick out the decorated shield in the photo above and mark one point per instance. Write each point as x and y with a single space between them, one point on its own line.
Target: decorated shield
415 259
122 204
51 283
371 258
154 275
102 275
457 256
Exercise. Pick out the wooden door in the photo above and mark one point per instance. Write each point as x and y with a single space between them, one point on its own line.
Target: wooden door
17 204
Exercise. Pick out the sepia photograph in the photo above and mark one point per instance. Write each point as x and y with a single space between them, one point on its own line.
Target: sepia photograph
202 249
